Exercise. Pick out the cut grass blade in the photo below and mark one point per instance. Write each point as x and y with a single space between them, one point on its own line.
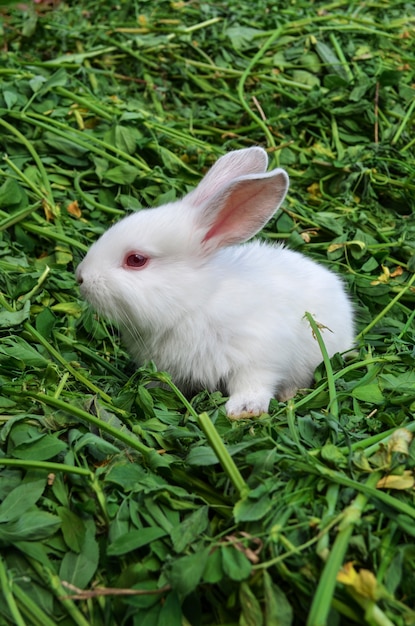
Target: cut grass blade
213 438
323 596
7 590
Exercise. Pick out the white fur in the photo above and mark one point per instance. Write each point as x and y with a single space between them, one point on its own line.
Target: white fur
214 314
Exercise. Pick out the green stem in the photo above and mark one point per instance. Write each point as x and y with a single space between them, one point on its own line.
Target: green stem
291 423
91 354
126 438
323 597
50 233
18 216
332 495
200 25
387 308
38 193
367 490
27 296
56 355
7 593
372 444
31 609
223 455
342 58
53 582
342 372
213 438
29 147
241 86
333 404
47 466
88 142
404 123
85 103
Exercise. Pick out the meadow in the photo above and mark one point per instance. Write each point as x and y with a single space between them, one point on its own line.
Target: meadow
124 503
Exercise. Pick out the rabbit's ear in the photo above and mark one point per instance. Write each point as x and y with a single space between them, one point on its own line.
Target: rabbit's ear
241 208
230 166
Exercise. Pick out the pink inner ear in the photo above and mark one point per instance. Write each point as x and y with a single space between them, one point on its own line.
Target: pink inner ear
235 214
234 223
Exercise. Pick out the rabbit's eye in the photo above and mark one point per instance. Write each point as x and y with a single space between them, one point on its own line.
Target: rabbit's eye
135 260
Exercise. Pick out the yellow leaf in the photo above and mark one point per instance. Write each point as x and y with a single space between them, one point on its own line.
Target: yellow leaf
335 246
314 190
319 149
384 277
50 211
363 581
73 209
397 272
347 575
392 481
399 441
367 584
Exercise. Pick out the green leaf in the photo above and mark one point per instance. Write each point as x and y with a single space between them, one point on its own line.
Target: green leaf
33 525
64 145
134 539
99 447
58 79
14 318
44 448
171 612
37 82
235 564
306 78
242 36
123 138
186 572
278 611
45 322
330 60
73 528
332 455
23 497
190 529
17 348
11 194
126 475
368 393
79 568
148 616
251 610
122 174
250 509
34 550
390 77
10 98
406 523
213 571
202 455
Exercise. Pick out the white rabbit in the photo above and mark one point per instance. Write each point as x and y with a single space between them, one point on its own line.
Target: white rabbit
211 313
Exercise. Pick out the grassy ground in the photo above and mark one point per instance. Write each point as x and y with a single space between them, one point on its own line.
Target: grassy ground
120 505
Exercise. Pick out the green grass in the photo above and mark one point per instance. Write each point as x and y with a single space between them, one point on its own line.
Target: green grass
126 504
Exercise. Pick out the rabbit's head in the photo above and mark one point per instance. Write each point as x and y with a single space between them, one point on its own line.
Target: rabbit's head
155 265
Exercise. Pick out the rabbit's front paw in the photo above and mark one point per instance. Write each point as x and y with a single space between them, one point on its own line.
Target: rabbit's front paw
243 406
